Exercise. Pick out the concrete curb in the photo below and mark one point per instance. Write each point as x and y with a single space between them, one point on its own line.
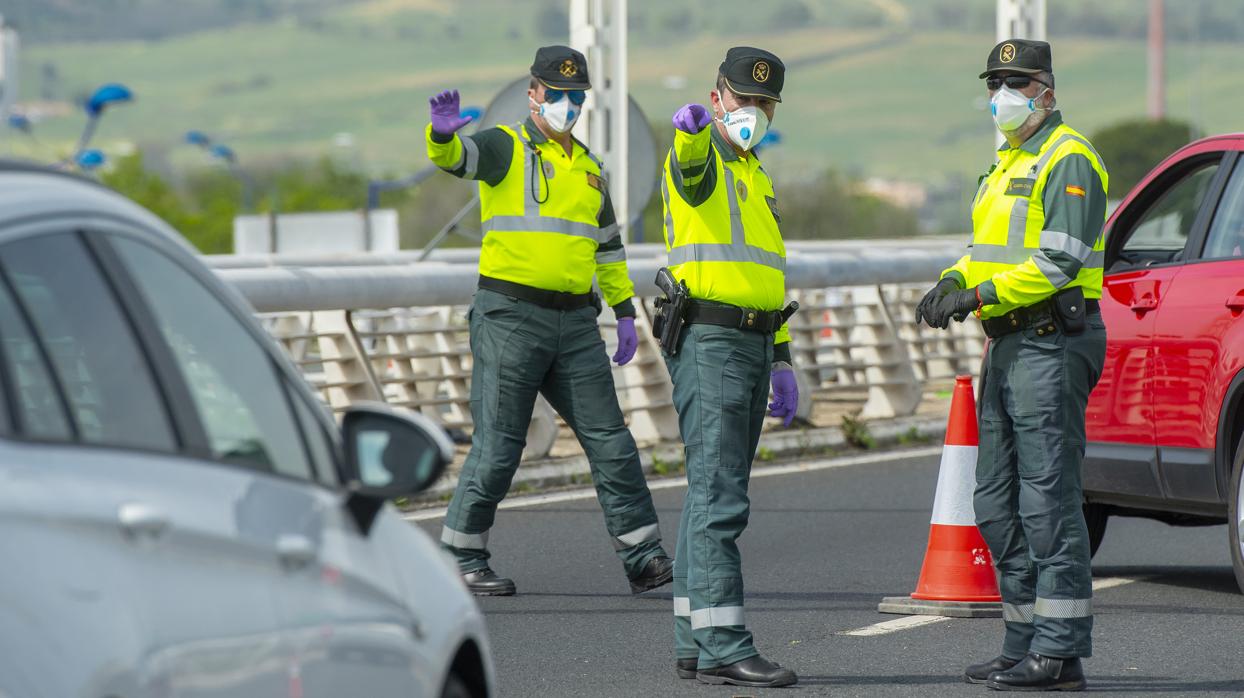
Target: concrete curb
779 445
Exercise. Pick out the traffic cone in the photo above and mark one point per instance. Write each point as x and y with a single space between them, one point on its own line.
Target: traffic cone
957 578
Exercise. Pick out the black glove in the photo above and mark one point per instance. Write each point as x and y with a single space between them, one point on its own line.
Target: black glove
956 304
924 311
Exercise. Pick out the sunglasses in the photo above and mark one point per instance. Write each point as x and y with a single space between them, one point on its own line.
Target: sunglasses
1015 82
552 96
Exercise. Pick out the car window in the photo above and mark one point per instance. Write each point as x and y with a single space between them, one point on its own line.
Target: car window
1162 231
319 446
37 405
101 369
235 386
1226 233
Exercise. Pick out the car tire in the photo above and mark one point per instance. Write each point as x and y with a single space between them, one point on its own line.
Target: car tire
455 687
1235 516
1095 517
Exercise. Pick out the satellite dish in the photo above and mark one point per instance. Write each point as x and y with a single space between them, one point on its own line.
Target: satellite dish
510 106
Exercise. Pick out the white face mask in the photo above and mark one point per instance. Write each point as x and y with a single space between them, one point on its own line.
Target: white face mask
1011 108
560 115
746 126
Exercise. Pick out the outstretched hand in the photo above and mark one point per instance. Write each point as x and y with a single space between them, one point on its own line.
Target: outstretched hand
446 113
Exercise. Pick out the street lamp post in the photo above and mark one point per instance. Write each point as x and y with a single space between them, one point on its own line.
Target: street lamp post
222 152
112 93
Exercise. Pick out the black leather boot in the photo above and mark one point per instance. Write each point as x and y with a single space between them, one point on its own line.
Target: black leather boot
753 671
658 572
686 667
485 582
979 673
1038 673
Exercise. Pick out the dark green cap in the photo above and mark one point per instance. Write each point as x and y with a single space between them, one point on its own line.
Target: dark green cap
561 67
753 72
1019 56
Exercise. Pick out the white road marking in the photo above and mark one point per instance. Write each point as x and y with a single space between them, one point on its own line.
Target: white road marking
1111 582
909 622
893 626
666 484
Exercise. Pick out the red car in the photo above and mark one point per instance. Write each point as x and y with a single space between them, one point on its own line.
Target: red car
1166 421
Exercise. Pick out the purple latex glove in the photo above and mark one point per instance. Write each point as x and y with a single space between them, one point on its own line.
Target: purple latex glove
446 113
628 341
785 394
691 118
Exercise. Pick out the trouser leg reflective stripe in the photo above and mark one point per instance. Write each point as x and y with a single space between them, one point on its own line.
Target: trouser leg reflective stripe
579 385
996 501
716 376
1056 375
509 343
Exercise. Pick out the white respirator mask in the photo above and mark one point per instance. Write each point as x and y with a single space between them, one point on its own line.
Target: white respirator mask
1011 108
559 115
746 126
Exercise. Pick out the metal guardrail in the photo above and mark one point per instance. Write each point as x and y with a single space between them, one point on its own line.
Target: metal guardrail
398 333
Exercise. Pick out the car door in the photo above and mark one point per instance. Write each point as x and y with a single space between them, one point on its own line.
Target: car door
346 618
1146 246
153 592
1198 332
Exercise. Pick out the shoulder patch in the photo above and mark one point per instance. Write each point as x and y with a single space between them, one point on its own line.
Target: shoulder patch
595 182
1074 190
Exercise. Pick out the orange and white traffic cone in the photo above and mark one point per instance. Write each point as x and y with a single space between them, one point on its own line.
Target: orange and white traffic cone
958 577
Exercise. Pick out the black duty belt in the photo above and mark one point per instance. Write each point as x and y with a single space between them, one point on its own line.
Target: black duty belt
1040 316
751 320
555 300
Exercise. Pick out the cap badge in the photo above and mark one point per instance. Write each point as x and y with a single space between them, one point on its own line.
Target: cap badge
1007 54
568 69
760 71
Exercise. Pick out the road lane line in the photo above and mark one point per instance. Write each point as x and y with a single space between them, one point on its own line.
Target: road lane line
893 626
909 622
1112 582
671 483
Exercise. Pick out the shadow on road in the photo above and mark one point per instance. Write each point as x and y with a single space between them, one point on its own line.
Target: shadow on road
1215 579
1160 684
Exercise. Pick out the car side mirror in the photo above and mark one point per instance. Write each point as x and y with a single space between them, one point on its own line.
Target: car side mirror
388 454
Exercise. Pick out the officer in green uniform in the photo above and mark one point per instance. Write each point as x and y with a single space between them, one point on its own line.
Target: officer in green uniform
721 232
549 229
1033 275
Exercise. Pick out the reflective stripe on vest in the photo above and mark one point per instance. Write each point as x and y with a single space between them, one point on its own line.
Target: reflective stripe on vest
737 250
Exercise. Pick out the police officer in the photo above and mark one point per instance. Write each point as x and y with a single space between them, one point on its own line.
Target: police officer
549 228
1033 274
721 232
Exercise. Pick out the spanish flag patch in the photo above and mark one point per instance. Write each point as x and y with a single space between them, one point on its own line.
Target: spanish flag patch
1074 190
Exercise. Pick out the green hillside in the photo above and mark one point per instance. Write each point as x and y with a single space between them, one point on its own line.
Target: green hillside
872 89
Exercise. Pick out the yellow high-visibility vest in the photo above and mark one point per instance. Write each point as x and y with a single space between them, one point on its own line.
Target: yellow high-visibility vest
542 221
1010 240
727 248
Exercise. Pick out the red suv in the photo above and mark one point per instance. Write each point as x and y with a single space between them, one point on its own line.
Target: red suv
1166 421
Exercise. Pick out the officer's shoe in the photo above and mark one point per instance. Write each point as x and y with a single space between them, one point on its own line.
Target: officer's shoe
1039 673
658 572
485 582
979 673
753 671
686 667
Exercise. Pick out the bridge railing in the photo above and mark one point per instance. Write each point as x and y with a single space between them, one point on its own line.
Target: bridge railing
398 333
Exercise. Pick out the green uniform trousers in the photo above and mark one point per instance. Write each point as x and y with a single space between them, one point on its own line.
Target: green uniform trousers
521 349
1029 492
721 384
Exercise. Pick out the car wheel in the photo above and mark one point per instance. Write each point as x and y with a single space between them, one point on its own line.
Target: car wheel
455 687
1095 517
1235 516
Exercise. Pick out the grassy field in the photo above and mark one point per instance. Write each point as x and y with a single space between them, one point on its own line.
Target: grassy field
886 102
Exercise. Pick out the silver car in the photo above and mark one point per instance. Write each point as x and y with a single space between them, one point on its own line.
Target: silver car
179 515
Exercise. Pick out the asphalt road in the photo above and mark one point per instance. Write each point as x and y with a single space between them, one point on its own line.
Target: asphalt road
822 548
